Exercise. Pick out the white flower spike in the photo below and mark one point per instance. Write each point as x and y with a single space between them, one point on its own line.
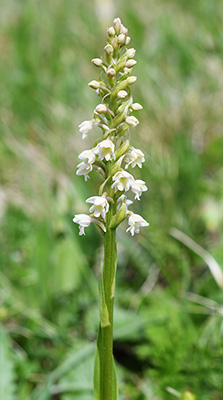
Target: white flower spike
100 206
122 181
137 187
111 156
135 222
105 150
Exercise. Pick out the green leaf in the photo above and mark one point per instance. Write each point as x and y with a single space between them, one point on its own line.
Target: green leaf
7 386
71 362
104 315
114 382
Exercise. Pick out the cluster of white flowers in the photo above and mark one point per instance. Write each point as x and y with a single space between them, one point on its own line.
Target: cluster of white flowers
112 155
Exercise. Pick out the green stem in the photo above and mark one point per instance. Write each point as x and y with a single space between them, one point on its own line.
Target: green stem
109 278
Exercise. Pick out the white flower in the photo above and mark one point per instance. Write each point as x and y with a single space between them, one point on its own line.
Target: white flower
132 121
111 31
131 79
83 220
136 107
111 72
85 127
137 187
123 199
123 29
84 169
136 221
100 206
97 62
122 180
128 39
130 63
130 53
101 108
94 84
105 149
117 21
134 157
108 49
122 94
88 157
121 38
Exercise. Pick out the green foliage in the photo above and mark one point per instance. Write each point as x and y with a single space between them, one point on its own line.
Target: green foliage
168 307
7 378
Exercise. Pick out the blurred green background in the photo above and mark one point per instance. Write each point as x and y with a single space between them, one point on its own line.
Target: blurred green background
168 316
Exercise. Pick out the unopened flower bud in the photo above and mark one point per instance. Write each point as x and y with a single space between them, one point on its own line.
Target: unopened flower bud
110 31
101 108
97 62
108 49
130 63
117 23
132 121
122 94
111 72
123 29
132 79
130 53
128 39
94 84
121 38
136 107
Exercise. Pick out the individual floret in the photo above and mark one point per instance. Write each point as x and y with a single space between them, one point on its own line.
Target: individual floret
88 157
137 187
134 157
100 206
105 150
135 222
85 127
83 220
122 181
84 169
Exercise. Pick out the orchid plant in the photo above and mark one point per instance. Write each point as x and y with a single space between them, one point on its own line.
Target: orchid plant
112 155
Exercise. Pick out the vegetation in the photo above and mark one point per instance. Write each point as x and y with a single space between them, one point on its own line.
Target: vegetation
168 306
